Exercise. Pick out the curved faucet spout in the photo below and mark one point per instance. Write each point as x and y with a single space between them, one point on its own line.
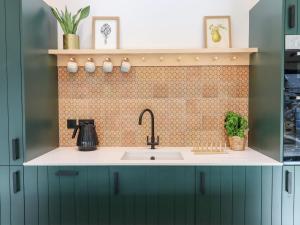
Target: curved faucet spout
152 142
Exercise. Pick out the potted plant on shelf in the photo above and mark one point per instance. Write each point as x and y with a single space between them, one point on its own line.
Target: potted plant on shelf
237 129
69 24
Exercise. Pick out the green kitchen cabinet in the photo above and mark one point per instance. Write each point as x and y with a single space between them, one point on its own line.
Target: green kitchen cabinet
66 195
78 195
291 195
4 149
238 195
128 195
28 81
152 195
266 78
11 195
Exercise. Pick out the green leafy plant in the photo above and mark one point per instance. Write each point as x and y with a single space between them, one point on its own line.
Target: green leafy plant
235 125
68 22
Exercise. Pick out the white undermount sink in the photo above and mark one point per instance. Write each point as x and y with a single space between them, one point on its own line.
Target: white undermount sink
152 155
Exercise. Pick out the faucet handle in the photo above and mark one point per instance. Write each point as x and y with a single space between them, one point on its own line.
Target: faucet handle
147 139
157 140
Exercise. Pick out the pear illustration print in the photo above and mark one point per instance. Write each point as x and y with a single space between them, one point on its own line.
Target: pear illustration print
216 32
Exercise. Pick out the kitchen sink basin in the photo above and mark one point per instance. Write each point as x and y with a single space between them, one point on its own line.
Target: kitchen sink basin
152 155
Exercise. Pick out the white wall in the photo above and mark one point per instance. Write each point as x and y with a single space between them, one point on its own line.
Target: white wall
162 23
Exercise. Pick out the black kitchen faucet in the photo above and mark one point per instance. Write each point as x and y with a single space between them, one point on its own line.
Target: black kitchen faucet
152 141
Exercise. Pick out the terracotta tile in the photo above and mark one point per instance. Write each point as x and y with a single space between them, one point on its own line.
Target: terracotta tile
189 103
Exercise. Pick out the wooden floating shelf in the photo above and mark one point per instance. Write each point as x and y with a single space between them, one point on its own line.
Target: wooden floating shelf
159 57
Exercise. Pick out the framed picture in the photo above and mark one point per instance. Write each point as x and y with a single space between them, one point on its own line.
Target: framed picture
217 31
106 32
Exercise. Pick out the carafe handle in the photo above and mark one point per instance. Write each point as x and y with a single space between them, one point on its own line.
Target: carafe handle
75 132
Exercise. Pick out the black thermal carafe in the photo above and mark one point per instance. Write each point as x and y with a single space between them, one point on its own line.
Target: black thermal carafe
87 139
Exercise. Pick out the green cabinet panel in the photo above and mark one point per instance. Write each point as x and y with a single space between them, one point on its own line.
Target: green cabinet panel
36 195
152 195
288 195
128 195
16 195
238 195
253 196
291 195
40 79
98 195
202 210
31 195
11 195
4 195
28 81
78 195
291 17
4 149
239 187
276 195
266 195
266 78
14 72
170 195
297 195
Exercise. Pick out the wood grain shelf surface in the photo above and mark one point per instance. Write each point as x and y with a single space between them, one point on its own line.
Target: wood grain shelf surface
159 57
150 51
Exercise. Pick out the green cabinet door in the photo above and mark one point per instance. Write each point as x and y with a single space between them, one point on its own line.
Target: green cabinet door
291 17
78 195
14 74
36 195
170 195
4 152
16 195
291 195
4 195
152 195
238 195
220 195
128 195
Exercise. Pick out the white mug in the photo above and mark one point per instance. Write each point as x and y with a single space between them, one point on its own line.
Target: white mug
72 66
107 66
90 66
125 66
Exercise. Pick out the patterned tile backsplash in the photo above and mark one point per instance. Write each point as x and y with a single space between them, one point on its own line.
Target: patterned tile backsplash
189 103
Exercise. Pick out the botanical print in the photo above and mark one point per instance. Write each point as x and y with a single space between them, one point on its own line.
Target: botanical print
106 32
217 31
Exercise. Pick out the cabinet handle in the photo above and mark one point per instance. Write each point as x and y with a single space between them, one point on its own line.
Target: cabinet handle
16 182
116 183
66 173
288 182
202 183
15 149
292 16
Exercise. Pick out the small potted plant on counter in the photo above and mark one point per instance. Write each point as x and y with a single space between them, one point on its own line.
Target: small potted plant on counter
237 129
69 24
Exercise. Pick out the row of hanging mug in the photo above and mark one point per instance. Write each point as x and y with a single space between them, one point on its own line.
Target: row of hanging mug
90 66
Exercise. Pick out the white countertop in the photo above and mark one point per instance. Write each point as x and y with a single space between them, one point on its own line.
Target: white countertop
112 156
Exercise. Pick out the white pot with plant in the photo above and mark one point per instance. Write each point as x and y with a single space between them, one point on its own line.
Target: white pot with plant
236 127
69 24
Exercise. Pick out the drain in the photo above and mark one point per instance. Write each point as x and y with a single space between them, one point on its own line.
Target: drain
152 158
